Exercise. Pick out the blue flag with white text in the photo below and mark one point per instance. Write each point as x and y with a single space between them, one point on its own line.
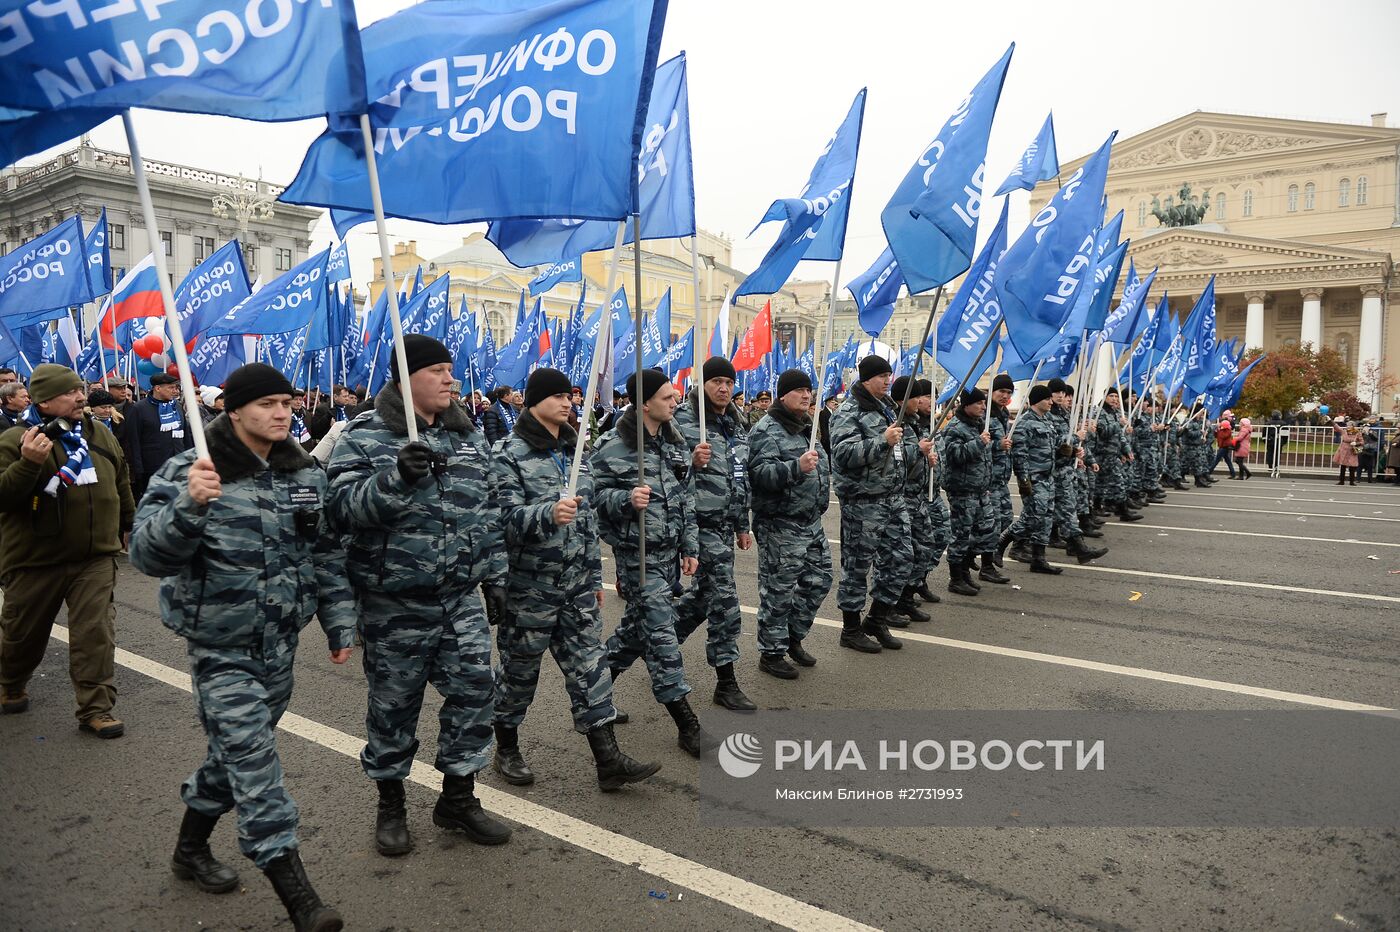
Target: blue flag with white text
875 291
287 303
1038 163
975 313
570 270
99 256
46 273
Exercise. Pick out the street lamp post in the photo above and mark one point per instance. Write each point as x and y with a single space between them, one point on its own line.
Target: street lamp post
243 205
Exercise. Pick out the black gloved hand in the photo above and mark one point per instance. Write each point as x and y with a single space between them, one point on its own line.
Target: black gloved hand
1024 487
415 462
495 598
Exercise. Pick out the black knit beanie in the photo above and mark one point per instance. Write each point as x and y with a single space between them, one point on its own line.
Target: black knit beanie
421 352
545 383
251 382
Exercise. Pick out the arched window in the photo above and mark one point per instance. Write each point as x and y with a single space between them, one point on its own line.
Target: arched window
1309 195
1361 191
1292 198
1142 213
1249 203
904 336
1220 207
1344 193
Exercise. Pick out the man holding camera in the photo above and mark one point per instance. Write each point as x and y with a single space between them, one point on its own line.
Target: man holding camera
65 511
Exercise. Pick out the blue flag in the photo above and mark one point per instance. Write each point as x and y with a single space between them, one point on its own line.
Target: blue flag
346 220
875 291
665 187
428 312
1128 318
679 356
1105 281
212 289
975 314
25 132
1199 342
541 108
931 221
814 223
570 270
257 61
516 357
338 268
662 318
288 303
99 256
1047 262
1038 163
1141 362
461 343
48 272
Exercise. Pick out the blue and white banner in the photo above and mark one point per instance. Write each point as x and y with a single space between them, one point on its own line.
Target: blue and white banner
287 303
212 289
1038 163
814 222
346 220
427 313
259 61
99 256
338 267
50 271
1199 342
570 270
496 109
665 187
875 292
1128 318
25 132
975 313
679 356
931 221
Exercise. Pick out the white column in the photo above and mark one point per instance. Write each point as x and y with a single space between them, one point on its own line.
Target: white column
1254 319
1369 342
1312 318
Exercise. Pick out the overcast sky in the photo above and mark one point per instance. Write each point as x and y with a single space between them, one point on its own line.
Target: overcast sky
771 79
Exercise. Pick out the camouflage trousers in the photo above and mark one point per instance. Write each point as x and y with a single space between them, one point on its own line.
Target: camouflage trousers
1173 458
973 525
1037 511
648 626
1001 501
712 599
928 534
239 696
1111 471
570 627
1148 471
1084 482
794 576
874 542
441 639
1066 508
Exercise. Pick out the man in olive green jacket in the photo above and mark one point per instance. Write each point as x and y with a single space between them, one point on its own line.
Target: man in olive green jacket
65 512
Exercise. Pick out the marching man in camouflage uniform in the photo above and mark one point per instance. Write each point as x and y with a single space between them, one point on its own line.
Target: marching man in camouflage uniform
720 468
247 559
867 454
791 491
1033 460
1195 447
918 459
1114 458
555 586
1069 456
967 451
648 626
422 534
1000 428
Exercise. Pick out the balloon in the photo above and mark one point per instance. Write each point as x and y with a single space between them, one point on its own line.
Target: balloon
147 368
173 369
1324 409
160 360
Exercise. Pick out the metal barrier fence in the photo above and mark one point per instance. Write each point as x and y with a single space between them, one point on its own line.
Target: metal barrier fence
1297 448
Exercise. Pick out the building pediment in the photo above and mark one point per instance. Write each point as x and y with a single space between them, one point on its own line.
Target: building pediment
1204 136
1194 254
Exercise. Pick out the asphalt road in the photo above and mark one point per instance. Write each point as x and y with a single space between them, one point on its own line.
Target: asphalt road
1217 598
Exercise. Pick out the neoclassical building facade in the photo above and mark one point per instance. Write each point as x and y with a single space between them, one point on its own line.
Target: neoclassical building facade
1301 231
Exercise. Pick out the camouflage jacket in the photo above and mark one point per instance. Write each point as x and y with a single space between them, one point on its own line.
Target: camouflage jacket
915 464
863 465
530 469
969 460
445 531
999 425
670 524
1061 421
1033 453
781 490
722 487
259 559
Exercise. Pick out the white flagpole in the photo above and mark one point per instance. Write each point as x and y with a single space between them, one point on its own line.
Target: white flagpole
698 373
819 359
386 257
603 339
101 351
172 317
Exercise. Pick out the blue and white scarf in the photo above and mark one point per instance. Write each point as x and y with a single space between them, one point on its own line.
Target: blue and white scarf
170 421
299 432
78 470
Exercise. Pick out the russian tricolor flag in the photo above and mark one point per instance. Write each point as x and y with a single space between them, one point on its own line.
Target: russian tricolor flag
138 293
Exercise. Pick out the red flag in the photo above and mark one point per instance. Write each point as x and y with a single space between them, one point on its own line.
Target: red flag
757 341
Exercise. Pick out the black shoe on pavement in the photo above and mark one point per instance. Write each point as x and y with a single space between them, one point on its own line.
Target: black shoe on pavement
615 769
876 625
509 762
691 737
194 861
1082 552
989 571
853 637
391 837
909 608
459 809
799 654
727 691
1125 515
1039 564
928 596
308 913
777 665
958 584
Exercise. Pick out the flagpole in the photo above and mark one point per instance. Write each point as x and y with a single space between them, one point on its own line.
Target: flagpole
172 317
387 258
697 373
101 351
637 399
603 339
952 399
1035 376
919 359
819 358
987 411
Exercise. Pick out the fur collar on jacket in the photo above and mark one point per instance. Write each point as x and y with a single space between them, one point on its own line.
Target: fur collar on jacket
388 404
538 438
627 430
235 461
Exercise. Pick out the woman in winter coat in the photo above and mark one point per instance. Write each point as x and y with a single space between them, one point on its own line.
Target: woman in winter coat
1242 447
1348 445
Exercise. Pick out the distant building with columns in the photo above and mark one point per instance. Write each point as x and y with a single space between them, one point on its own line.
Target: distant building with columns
1301 231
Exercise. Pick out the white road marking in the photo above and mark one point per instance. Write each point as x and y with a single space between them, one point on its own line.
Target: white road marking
1262 511
1289 498
767 905
1205 530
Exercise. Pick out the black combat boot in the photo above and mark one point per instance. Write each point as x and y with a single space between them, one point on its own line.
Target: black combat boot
509 762
927 595
1180 485
1021 551
727 691
853 637
1082 552
989 571
615 769
959 582
877 625
194 861
458 808
690 737
970 564
777 665
799 654
1124 514
308 913
391 837
1088 527
1041 565
909 608
1156 496
1004 541
1202 484
1056 540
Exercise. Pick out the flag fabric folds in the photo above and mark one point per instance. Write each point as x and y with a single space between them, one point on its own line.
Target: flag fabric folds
757 342
570 270
25 132
287 303
975 313
1038 163
875 291
46 273
99 256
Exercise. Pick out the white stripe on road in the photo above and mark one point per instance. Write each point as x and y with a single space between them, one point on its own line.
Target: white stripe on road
1262 511
1290 497
1377 489
765 904
1205 530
